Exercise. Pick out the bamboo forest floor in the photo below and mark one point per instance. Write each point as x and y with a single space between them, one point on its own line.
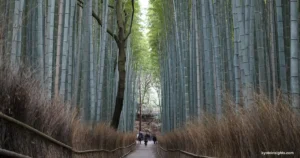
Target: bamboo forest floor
143 151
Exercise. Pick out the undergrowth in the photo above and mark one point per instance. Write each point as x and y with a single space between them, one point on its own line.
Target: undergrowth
250 132
22 98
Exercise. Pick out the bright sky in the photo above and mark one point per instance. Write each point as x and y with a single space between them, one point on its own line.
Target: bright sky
144 4
144 8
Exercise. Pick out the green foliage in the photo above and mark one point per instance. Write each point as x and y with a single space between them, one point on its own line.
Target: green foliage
138 43
155 34
156 24
144 55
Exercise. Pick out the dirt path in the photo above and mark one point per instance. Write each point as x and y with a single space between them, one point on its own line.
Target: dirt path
143 151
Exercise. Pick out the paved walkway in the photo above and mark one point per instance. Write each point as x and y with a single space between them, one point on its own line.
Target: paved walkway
143 151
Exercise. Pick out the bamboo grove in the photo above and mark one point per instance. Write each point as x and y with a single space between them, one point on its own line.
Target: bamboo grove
70 45
211 48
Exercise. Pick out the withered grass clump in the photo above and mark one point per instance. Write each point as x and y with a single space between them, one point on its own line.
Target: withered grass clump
248 133
22 98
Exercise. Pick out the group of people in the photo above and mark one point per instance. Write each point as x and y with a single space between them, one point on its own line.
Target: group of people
146 138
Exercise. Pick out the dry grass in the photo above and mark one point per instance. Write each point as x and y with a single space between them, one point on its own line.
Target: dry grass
22 98
261 128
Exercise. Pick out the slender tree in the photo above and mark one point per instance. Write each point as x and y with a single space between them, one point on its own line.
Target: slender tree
49 51
294 54
64 54
124 31
102 54
216 57
58 47
281 51
40 41
272 45
16 28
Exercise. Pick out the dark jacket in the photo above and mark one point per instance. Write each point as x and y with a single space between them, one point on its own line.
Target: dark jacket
154 138
140 137
147 136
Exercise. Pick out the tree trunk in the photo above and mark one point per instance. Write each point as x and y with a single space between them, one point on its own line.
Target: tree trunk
121 85
72 51
58 47
294 54
260 47
14 51
236 54
64 54
49 51
121 41
272 45
216 61
281 51
40 42
77 59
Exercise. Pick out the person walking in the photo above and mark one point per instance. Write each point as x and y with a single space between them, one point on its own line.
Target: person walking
154 139
147 136
140 137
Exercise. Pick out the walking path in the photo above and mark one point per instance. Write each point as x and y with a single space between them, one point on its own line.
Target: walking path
143 151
